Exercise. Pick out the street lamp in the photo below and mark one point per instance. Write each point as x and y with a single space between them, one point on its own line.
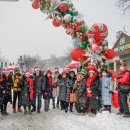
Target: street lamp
22 63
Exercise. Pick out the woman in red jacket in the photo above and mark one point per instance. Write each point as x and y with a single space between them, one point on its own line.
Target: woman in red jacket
123 81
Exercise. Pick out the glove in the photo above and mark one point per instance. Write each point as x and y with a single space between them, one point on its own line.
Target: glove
111 92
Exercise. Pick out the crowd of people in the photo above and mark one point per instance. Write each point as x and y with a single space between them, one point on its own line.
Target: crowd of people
93 90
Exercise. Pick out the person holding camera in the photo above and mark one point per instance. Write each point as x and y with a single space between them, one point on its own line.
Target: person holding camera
123 87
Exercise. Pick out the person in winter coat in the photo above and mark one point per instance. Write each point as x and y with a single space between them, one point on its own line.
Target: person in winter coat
16 90
27 92
1 94
107 85
80 89
39 86
6 86
47 94
93 93
123 80
64 92
55 88
71 81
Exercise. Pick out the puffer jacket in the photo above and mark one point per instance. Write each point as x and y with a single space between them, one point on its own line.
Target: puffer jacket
47 93
107 86
27 91
94 102
6 86
124 77
39 83
16 79
80 89
64 90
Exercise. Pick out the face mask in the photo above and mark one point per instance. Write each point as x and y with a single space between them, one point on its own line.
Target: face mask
121 68
104 74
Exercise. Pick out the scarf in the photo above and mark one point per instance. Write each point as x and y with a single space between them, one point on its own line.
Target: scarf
89 81
30 82
50 81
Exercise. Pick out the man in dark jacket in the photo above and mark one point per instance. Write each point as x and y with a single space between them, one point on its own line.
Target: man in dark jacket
123 80
6 86
39 86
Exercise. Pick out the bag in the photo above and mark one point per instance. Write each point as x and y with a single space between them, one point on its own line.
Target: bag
124 88
73 97
115 102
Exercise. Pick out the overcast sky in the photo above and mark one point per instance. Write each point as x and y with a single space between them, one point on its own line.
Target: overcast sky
24 30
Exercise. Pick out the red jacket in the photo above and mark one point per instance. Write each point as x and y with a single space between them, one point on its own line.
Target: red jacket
124 77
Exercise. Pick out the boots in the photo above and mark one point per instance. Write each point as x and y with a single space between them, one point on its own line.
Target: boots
25 112
19 109
14 110
29 111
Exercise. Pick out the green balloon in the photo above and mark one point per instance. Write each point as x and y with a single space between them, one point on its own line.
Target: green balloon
84 42
42 9
87 42
74 14
82 46
70 4
48 5
106 66
83 28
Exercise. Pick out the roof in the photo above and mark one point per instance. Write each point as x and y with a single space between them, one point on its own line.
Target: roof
121 35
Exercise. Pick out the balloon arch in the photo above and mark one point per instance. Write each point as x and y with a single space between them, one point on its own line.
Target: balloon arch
91 46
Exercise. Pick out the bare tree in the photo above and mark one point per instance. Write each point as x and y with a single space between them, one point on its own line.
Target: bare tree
32 61
124 4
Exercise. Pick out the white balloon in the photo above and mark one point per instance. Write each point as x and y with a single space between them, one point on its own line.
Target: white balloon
67 18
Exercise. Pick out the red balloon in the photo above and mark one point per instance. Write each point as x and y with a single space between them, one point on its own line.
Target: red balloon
35 5
57 23
37 0
77 29
64 7
109 54
78 54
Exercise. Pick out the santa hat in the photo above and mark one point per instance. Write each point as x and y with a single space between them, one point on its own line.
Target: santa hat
92 71
26 72
36 68
49 72
92 67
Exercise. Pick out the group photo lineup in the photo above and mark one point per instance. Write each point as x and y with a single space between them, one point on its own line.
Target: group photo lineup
64 65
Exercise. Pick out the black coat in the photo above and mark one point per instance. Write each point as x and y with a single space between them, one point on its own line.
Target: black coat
25 93
94 101
39 83
47 93
6 86
64 90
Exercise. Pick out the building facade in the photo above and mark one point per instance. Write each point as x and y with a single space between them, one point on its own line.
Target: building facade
122 49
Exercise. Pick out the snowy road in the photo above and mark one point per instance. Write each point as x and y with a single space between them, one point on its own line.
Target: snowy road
59 120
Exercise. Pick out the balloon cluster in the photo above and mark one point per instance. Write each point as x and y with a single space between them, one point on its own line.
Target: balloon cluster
63 13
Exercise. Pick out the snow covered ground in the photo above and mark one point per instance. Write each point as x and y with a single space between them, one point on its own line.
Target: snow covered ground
59 120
